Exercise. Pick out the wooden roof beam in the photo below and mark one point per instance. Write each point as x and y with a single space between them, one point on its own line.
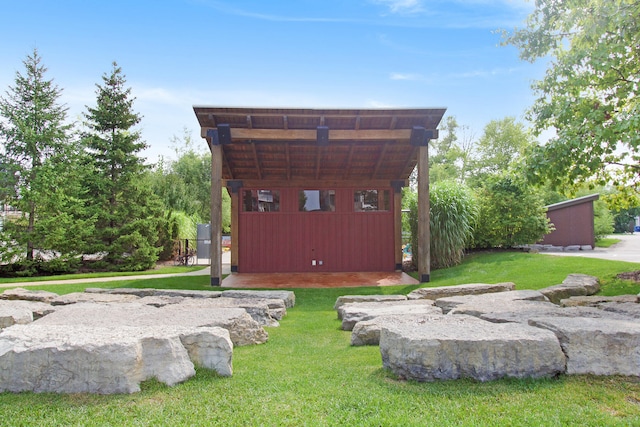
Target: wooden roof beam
310 134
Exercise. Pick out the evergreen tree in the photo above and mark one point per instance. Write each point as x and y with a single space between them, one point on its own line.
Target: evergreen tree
126 209
40 175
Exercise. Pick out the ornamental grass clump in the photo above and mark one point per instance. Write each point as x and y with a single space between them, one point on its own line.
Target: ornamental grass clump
452 217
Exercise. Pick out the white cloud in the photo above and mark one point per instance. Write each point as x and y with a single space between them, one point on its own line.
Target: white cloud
405 76
402 6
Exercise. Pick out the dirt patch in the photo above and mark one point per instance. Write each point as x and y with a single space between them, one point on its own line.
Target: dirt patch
631 275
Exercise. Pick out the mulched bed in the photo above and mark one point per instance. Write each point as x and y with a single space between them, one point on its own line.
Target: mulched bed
631 275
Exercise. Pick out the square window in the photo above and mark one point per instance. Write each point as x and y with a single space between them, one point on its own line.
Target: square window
370 200
317 201
261 201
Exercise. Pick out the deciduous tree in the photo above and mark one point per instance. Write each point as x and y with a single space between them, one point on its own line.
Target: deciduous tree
590 93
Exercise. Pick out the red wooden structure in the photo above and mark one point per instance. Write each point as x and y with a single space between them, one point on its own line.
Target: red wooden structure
573 221
316 190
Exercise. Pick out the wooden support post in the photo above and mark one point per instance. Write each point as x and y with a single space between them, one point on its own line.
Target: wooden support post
397 222
216 215
235 238
424 232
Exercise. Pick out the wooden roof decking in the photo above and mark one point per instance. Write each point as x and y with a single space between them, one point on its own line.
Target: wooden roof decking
279 144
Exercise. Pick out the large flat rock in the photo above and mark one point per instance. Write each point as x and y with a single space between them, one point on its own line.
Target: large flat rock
523 311
367 332
628 309
596 300
149 292
265 312
107 359
28 295
346 299
76 297
451 347
492 300
573 285
288 297
18 312
596 346
243 330
460 290
355 312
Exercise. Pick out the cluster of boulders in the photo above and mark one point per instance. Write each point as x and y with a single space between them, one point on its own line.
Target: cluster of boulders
486 332
110 340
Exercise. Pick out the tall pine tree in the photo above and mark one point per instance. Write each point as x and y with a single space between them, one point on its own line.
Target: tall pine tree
40 171
126 209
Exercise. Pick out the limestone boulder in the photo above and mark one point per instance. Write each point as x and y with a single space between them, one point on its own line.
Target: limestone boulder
488 300
596 300
460 290
259 309
149 292
346 299
523 311
573 285
628 308
28 295
596 346
367 332
451 347
160 301
106 360
76 297
17 312
243 330
288 297
355 312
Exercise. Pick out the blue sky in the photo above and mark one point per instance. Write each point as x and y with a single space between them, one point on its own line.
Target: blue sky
304 53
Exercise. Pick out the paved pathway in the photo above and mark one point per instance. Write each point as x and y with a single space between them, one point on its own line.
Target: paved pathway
628 249
206 271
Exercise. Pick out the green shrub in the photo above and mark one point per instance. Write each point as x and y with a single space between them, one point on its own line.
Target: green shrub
510 214
602 220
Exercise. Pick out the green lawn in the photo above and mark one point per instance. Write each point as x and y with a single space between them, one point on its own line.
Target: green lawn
308 374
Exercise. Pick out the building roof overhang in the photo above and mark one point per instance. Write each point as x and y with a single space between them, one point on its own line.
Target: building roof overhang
331 145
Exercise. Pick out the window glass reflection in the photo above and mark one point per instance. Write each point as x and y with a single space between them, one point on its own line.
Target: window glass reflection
317 201
261 201
370 200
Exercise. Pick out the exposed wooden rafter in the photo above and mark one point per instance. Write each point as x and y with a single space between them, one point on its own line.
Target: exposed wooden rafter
347 166
288 158
256 160
380 161
226 163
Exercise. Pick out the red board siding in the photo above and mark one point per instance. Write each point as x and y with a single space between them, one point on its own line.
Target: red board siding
288 241
574 226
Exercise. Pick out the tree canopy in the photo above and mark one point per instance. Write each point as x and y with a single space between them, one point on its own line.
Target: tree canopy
39 175
589 94
126 209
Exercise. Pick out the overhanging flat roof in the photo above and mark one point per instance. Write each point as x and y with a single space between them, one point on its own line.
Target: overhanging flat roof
572 202
282 144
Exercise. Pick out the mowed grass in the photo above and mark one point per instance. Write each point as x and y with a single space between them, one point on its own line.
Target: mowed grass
307 374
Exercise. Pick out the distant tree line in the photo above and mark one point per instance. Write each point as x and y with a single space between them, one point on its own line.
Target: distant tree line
82 194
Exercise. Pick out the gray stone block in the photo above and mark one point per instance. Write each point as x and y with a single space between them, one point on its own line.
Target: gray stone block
451 347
